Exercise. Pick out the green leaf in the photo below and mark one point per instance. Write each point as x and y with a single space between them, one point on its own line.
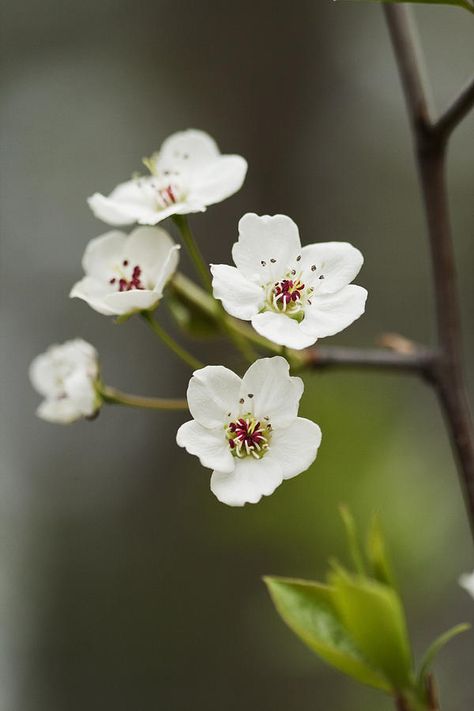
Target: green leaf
465 4
373 615
190 319
377 556
352 540
308 609
435 647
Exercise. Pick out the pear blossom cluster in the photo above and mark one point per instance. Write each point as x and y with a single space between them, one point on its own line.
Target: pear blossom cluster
246 430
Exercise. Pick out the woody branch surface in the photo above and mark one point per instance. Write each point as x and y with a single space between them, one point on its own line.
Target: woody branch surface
430 142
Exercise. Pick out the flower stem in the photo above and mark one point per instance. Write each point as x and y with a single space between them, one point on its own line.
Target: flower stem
193 250
112 396
240 342
178 350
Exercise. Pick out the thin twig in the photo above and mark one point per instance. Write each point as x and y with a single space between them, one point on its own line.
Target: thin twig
460 107
430 151
420 362
401 704
113 396
169 341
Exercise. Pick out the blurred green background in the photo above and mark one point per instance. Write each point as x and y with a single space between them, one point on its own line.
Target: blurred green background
123 583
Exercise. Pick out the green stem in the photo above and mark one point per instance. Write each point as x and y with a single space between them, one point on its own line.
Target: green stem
193 250
239 341
181 352
112 396
192 293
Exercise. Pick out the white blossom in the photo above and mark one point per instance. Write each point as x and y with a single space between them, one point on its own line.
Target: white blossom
248 430
188 173
65 375
124 273
293 295
466 581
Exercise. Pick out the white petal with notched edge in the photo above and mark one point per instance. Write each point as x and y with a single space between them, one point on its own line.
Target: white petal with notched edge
248 430
188 174
209 445
292 295
240 297
124 273
213 395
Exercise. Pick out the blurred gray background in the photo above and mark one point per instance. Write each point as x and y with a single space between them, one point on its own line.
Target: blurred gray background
123 583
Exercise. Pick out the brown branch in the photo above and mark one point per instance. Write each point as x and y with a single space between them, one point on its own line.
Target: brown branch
430 150
460 107
422 361
401 704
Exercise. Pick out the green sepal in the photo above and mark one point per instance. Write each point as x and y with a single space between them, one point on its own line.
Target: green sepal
308 609
373 615
124 317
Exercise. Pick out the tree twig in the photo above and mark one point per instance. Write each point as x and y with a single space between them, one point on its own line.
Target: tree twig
421 362
430 150
113 396
460 107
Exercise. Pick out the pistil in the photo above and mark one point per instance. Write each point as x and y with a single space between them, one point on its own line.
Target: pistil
248 437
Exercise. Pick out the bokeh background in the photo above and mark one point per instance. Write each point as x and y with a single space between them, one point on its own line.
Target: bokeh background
123 583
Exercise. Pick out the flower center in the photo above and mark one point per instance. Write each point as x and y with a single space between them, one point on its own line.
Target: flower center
124 282
286 292
288 296
167 195
247 436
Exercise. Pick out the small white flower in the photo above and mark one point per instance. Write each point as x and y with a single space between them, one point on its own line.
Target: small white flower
293 295
466 581
188 173
248 430
65 375
126 273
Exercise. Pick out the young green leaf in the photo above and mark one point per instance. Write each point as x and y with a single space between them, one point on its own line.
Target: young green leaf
373 615
308 609
465 4
377 556
352 540
435 647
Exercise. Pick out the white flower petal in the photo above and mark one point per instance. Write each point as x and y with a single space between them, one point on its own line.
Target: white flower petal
168 269
101 252
93 292
79 389
218 180
240 297
331 313
250 480
267 248
211 446
186 151
43 377
213 395
283 330
61 412
295 447
149 247
466 581
132 201
274 393
125 302
337 264
65 375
